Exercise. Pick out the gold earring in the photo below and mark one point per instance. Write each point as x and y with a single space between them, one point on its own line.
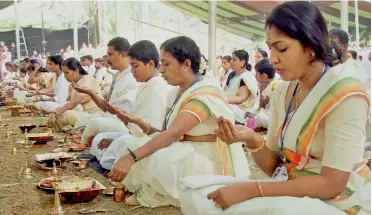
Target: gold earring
184 70
312 54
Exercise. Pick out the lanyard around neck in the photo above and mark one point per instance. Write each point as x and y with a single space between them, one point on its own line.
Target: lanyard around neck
167 116
285 124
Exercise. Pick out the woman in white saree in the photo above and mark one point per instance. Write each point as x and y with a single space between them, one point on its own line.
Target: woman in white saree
151 166
241 86
51 100
315 141
67 115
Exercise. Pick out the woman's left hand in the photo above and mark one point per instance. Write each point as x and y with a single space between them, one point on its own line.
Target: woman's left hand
230 133
233 194
121 168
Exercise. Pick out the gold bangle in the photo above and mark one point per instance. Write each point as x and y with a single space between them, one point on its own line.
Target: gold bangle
257 149
259 187
148 128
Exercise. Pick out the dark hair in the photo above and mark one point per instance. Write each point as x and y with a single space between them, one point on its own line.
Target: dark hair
302 21
31 68
87 57
206 61
353 53
227 58
33 62
183 48
263 53
73 64
120 44
56 59
144 51
23 70
264 67
11 64
98 60
14 65
26 60
8 64
340 34
243 55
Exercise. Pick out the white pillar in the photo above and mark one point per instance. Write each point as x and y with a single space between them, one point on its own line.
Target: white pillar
356 23
76 48
345 15
99 11
117 18
18 41
212 37
135 21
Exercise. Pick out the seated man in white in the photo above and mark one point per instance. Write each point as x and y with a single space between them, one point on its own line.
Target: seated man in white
149 108
100 70
108 78
122 94
87 63
265 75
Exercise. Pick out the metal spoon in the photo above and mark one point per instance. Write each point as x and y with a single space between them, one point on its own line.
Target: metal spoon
90 211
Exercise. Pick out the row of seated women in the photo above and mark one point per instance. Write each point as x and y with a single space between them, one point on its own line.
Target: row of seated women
180 146
50 91
30 77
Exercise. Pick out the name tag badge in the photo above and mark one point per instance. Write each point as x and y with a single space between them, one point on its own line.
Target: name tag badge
280 174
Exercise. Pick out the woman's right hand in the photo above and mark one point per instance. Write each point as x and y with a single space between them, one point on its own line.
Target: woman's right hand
233 133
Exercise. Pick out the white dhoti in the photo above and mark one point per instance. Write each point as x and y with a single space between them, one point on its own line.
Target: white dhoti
98 125
94 150
111 153
48 105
